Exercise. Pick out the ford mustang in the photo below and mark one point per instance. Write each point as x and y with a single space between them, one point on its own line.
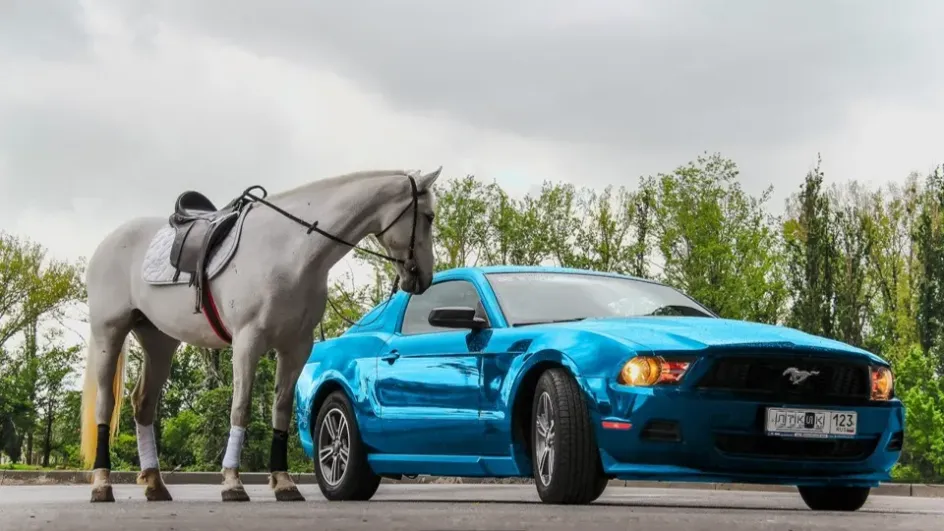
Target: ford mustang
575 377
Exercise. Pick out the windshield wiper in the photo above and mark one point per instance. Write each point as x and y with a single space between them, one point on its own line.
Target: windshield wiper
549 321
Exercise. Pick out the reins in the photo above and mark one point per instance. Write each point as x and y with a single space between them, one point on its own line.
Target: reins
409 263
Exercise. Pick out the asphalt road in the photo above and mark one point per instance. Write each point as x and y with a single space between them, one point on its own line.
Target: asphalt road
440 507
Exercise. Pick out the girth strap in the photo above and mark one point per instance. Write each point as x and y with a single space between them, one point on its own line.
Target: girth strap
212 314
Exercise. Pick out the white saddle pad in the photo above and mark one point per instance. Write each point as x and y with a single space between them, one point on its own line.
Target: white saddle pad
156 268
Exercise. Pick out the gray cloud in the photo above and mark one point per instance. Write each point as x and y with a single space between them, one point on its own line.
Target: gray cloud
59 151
681 75
106 114
46 30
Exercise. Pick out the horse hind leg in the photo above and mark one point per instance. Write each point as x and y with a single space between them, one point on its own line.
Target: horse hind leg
159 350
289 366
102 396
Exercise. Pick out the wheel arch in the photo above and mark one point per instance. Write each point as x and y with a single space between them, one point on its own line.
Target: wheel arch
324 391
523 397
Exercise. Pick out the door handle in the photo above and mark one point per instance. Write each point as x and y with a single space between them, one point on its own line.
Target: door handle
391 356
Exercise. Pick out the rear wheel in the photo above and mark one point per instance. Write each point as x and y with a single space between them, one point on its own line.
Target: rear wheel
564 455
834 498
341 466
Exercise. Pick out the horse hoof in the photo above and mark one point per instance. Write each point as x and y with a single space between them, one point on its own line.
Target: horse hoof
157 494
289 495
235 495
102 494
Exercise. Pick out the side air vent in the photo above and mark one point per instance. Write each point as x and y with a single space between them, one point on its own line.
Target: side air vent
661 431
896 442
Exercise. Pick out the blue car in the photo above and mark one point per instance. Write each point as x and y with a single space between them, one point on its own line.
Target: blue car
574 377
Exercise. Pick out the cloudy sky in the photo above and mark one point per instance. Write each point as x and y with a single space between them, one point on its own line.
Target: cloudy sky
110 108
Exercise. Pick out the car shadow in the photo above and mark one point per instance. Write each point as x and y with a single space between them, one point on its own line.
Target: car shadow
479 501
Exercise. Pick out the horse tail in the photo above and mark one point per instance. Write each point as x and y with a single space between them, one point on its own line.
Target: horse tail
89 444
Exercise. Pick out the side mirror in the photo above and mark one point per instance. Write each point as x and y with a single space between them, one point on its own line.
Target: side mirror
456 317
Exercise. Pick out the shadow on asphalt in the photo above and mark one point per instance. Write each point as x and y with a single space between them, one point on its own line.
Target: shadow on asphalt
630 505
479 501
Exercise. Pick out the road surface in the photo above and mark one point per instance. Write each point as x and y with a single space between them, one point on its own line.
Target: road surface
440 507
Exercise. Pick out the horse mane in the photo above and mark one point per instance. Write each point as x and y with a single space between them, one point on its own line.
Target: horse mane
329 182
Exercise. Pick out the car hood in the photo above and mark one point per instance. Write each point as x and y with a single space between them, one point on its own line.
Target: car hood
677 334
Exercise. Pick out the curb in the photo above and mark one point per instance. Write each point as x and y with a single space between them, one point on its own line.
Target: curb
80 477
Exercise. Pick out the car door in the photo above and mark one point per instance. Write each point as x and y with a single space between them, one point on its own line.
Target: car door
428 379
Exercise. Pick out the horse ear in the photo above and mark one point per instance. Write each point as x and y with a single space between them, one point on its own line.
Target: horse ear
424 182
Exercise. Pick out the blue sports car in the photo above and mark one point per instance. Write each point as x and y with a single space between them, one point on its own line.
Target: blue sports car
573 377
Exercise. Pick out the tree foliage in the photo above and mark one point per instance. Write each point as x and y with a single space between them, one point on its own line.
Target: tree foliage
34 291
843 261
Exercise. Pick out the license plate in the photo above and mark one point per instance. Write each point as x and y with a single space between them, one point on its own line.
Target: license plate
812 423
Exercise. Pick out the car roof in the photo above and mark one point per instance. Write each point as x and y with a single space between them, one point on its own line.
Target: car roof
532 269
371 322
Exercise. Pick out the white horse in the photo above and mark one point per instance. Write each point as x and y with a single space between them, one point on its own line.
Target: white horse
269 271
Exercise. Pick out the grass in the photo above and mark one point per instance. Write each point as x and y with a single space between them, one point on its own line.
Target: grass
11 466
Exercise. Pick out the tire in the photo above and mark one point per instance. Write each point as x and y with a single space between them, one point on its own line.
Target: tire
576 475
357 480
601 485
834 498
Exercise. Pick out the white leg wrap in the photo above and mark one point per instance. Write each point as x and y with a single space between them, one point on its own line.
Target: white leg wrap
234 447
147 446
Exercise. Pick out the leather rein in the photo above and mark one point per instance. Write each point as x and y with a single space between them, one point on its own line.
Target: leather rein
409 263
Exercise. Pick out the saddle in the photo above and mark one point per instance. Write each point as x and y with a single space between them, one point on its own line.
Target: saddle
199 228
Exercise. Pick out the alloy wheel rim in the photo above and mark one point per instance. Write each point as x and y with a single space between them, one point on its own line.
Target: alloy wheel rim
334 443
544 439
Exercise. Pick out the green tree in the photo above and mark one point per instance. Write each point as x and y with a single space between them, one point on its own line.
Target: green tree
810 255
853 230
860 265
718 243
893 266
33 289
56 373
930 247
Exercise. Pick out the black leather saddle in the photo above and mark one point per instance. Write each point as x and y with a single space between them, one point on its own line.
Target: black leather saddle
199 228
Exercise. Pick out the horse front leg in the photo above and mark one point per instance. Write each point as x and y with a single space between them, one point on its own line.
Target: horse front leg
248 348
159 351
289 367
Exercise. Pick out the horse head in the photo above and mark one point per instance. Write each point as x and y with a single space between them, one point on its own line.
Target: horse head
407 233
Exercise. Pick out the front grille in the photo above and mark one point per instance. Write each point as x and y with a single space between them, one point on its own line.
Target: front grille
797 449
768 378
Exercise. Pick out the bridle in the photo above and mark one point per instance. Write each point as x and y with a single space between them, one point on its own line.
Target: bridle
409 263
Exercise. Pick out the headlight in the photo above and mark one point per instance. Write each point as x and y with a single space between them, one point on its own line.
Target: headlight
883 383
644 371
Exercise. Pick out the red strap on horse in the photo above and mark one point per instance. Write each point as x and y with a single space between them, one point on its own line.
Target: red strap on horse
212 314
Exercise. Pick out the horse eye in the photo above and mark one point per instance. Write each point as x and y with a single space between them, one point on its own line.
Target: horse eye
431 217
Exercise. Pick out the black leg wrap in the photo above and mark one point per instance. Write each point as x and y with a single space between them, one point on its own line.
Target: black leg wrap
278 455
102 453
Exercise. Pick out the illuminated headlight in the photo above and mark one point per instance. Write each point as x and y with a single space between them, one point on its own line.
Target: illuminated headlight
645 371
883 383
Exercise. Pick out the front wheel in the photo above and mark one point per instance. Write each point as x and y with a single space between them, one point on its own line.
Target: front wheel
564 455
834 498
341 466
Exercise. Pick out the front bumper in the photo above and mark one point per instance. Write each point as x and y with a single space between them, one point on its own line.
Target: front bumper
688 435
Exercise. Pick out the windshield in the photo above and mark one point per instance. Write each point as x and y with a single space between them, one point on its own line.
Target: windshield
531 298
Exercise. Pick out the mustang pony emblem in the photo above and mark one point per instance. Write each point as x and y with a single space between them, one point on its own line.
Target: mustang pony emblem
798 376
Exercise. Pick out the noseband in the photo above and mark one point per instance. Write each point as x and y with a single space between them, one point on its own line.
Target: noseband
409 264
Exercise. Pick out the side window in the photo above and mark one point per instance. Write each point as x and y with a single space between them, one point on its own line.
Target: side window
449 293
